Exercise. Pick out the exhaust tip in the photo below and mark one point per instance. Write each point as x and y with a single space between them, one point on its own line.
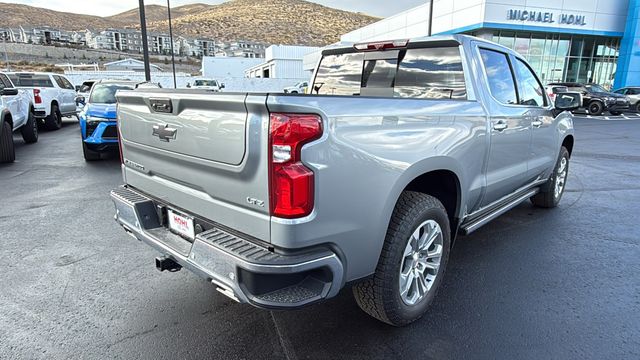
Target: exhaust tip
167 264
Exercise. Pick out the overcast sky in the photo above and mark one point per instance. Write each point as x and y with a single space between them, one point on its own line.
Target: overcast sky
381 8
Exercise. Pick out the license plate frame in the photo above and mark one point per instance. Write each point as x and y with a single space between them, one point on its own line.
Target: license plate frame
181 224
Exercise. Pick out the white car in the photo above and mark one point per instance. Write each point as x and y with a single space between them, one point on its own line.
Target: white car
299 88
53 96
207 84
16 113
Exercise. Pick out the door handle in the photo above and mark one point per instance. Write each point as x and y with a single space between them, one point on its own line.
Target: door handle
536 123
500 126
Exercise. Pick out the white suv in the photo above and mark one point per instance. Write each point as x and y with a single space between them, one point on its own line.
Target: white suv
53 96
16 113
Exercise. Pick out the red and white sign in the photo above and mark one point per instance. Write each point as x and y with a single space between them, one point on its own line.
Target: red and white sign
181 224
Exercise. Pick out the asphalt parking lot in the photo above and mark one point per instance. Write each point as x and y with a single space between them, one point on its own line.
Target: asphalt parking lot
534 284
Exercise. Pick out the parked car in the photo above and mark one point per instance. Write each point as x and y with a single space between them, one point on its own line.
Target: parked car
98 121
16 114
299 88
633 93
553 90
596 99
53 96
281 200
206 84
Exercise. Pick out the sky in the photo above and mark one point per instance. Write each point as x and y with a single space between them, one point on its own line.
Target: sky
381 8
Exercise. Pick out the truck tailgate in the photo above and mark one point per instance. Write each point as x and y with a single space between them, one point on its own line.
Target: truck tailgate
199 151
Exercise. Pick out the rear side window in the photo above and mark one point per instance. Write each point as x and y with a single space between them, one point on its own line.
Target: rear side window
423 73
499 76
32 80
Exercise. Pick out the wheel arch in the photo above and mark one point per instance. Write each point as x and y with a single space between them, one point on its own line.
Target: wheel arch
440 178
567 142
6 116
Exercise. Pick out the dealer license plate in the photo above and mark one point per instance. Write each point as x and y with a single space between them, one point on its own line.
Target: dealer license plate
181 224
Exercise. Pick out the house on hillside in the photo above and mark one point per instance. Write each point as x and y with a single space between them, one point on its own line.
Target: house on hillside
129 65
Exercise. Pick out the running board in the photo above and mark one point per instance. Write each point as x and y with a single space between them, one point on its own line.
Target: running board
477 223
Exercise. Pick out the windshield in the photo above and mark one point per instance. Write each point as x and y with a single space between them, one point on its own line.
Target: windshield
205 83
595 88
106 93
31 80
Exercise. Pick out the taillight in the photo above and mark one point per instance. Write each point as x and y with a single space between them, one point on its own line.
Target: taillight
291 183
36 96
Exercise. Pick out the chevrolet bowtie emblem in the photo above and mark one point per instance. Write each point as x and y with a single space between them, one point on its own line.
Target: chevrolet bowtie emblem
164 132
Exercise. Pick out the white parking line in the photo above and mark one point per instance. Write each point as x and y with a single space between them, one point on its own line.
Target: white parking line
625 116
606 118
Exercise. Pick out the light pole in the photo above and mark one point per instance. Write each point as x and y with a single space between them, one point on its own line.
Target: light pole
173 57
145 45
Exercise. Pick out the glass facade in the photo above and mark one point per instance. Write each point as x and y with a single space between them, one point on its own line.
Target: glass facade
565 57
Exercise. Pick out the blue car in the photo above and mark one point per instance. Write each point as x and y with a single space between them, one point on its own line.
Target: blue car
98 123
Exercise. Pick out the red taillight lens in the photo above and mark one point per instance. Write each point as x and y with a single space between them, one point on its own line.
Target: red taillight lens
291 183
36 96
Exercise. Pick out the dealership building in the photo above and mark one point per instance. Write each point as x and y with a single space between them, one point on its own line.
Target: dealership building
564 40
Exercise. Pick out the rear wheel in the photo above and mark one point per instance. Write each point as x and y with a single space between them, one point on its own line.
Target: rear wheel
595 108
54 120
638 107
89 155
30 130
7 153
551 192
412 262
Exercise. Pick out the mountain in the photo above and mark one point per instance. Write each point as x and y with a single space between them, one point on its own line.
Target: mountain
15 15
158 13
269 21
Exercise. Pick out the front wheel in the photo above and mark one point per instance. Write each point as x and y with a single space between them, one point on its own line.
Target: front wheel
7 152
551 192
595 108
89 155
412 262
30 130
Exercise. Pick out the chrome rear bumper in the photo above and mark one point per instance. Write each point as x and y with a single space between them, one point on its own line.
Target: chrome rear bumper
239 268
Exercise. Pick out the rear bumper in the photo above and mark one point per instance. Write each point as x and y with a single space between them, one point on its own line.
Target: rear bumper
40 113
241 269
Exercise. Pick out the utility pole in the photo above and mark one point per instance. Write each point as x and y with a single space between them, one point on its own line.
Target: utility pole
430 17
145 42
173 56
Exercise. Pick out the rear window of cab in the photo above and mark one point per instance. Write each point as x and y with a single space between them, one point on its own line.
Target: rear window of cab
422 73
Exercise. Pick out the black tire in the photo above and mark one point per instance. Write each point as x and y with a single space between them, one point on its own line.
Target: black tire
7 152
638 107
615 113
294 92
595 108
547 197
379 295
89 155
54 120
30 130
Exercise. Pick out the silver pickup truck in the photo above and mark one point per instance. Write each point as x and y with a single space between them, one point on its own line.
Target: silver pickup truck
281 200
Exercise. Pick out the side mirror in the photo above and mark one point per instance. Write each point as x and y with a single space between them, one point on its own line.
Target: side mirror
188 85
77 88
568 101
9 92
222 86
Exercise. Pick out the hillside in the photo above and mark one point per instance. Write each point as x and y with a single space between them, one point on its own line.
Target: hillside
158 13
269 21
15 15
